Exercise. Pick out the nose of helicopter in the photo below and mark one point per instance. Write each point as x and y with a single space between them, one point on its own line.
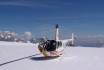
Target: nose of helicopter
44 53
40 48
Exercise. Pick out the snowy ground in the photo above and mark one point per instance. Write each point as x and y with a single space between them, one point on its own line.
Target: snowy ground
25 56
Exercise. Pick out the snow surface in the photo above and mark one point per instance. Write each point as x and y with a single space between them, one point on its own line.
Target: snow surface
25 56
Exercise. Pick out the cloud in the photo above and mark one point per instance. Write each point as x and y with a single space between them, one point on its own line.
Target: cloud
14 34
95 36
27 4
90 38
12 28
14 3
27 35
7 32
44 5
58 17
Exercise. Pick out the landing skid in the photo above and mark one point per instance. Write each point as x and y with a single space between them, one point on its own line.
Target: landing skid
62 57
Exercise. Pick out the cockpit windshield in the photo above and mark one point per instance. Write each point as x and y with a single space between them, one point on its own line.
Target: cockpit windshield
50 45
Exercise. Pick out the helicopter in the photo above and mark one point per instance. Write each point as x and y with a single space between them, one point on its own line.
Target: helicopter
54 47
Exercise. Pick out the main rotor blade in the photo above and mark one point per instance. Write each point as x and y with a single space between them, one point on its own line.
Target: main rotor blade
46 24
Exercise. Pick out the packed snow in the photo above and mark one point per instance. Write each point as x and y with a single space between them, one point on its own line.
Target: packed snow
25 56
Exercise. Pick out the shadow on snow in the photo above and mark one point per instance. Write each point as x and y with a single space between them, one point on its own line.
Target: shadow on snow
42 58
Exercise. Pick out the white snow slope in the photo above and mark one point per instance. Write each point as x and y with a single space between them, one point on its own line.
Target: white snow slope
25 56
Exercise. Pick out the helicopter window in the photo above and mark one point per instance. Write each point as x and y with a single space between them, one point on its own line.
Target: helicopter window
57 44
41 42
54 43
51 45
60 44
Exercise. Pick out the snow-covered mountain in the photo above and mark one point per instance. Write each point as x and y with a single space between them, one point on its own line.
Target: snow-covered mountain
7 36
13 37
35 40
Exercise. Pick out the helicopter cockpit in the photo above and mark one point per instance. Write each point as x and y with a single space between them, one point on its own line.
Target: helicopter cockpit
50 45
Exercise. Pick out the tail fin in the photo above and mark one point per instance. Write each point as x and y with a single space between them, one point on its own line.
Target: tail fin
72 39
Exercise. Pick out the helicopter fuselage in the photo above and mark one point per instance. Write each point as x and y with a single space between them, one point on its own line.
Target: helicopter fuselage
52 48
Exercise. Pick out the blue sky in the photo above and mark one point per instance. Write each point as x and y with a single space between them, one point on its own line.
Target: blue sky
84 17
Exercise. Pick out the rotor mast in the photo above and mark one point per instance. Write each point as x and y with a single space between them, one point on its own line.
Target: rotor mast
56 33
